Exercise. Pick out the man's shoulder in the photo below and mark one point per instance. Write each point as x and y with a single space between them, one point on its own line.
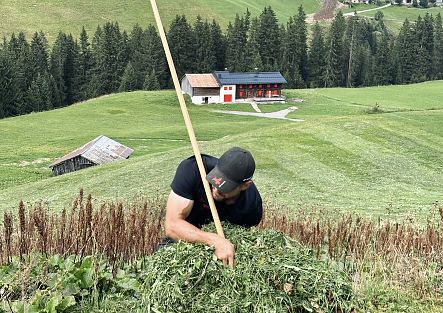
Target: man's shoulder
208 161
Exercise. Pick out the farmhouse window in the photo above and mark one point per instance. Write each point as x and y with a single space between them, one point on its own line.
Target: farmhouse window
225 88
275 85
230 87
241 86
241 93
268 85
275 92
250 86
260 86
260 92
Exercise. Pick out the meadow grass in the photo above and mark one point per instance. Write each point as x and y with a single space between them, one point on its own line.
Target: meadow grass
394 16
339 158
51 17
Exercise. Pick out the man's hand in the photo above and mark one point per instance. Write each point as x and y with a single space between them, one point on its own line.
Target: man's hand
224 250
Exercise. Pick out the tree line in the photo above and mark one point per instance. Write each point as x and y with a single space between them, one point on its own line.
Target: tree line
351 52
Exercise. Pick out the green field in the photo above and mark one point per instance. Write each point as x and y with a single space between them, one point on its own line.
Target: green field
395 15
69 16
339 158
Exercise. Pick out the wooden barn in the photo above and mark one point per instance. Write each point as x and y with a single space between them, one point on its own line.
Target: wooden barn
227 87
203 88
101 150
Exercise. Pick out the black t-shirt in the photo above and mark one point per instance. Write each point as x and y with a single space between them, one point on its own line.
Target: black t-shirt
246 211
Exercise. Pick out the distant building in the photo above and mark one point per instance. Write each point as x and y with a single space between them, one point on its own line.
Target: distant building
101 150
226 87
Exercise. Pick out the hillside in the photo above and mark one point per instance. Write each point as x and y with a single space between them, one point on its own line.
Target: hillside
340 157
69 16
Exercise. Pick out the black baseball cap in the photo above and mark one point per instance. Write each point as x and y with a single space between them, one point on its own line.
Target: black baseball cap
234 167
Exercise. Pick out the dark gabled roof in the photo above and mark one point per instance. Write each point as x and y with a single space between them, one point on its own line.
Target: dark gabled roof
227 78
101 150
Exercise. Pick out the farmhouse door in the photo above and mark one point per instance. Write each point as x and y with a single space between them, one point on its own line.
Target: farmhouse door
228 98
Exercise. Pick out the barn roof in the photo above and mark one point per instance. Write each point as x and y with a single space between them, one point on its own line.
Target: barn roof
101 150
227 78
202 80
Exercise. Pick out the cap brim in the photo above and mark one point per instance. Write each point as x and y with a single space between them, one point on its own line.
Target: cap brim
219 180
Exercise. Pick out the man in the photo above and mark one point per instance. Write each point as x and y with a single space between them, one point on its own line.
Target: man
235 195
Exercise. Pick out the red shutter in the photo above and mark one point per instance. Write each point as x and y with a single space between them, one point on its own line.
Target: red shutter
240 93
227 98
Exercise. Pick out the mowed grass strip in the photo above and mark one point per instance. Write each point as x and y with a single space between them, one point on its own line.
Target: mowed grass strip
51 17
340 157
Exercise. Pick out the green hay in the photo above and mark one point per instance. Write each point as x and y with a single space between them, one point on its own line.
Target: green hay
272 273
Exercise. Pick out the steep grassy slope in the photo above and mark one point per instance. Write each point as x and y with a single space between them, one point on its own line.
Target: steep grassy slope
69 16
340 157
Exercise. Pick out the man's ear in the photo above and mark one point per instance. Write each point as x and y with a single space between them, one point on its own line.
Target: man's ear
246 185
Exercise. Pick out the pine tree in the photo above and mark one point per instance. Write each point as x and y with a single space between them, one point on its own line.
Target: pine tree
182 44
333 75
406 52
129 79
151 81
157 58
238 57
38 96
65 68
295 51
9 89
39 60
424 33
86 66
316 58
110 52
438 48
269 41
382 66
204 47
19 50
218 45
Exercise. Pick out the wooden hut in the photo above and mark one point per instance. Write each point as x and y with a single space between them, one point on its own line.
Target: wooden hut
101 150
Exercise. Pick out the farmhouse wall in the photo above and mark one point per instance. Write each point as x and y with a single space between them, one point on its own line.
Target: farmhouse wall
227 93
71 165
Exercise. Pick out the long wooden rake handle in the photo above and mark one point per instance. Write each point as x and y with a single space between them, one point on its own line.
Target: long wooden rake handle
187 119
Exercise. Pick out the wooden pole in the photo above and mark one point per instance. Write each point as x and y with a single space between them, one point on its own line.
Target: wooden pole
187 119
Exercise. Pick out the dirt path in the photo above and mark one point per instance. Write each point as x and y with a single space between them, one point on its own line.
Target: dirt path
277 114
382 7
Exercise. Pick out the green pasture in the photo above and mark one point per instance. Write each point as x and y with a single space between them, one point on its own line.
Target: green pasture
51 17
340 158
394 16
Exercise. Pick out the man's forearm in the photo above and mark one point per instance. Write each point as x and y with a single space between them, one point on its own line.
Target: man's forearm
182 230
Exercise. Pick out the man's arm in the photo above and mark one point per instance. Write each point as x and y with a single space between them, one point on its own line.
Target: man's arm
177 228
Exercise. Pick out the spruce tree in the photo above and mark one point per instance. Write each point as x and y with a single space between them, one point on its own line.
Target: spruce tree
295 51
39 55
110 55
157 58
269 41
333 75
406 54
219 45
129 79
238 57
86 66
9 89
204 47
19 50
438 48
182 44
316 58
151 81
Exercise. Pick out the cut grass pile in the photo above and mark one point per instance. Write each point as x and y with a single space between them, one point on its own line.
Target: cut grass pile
272 273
